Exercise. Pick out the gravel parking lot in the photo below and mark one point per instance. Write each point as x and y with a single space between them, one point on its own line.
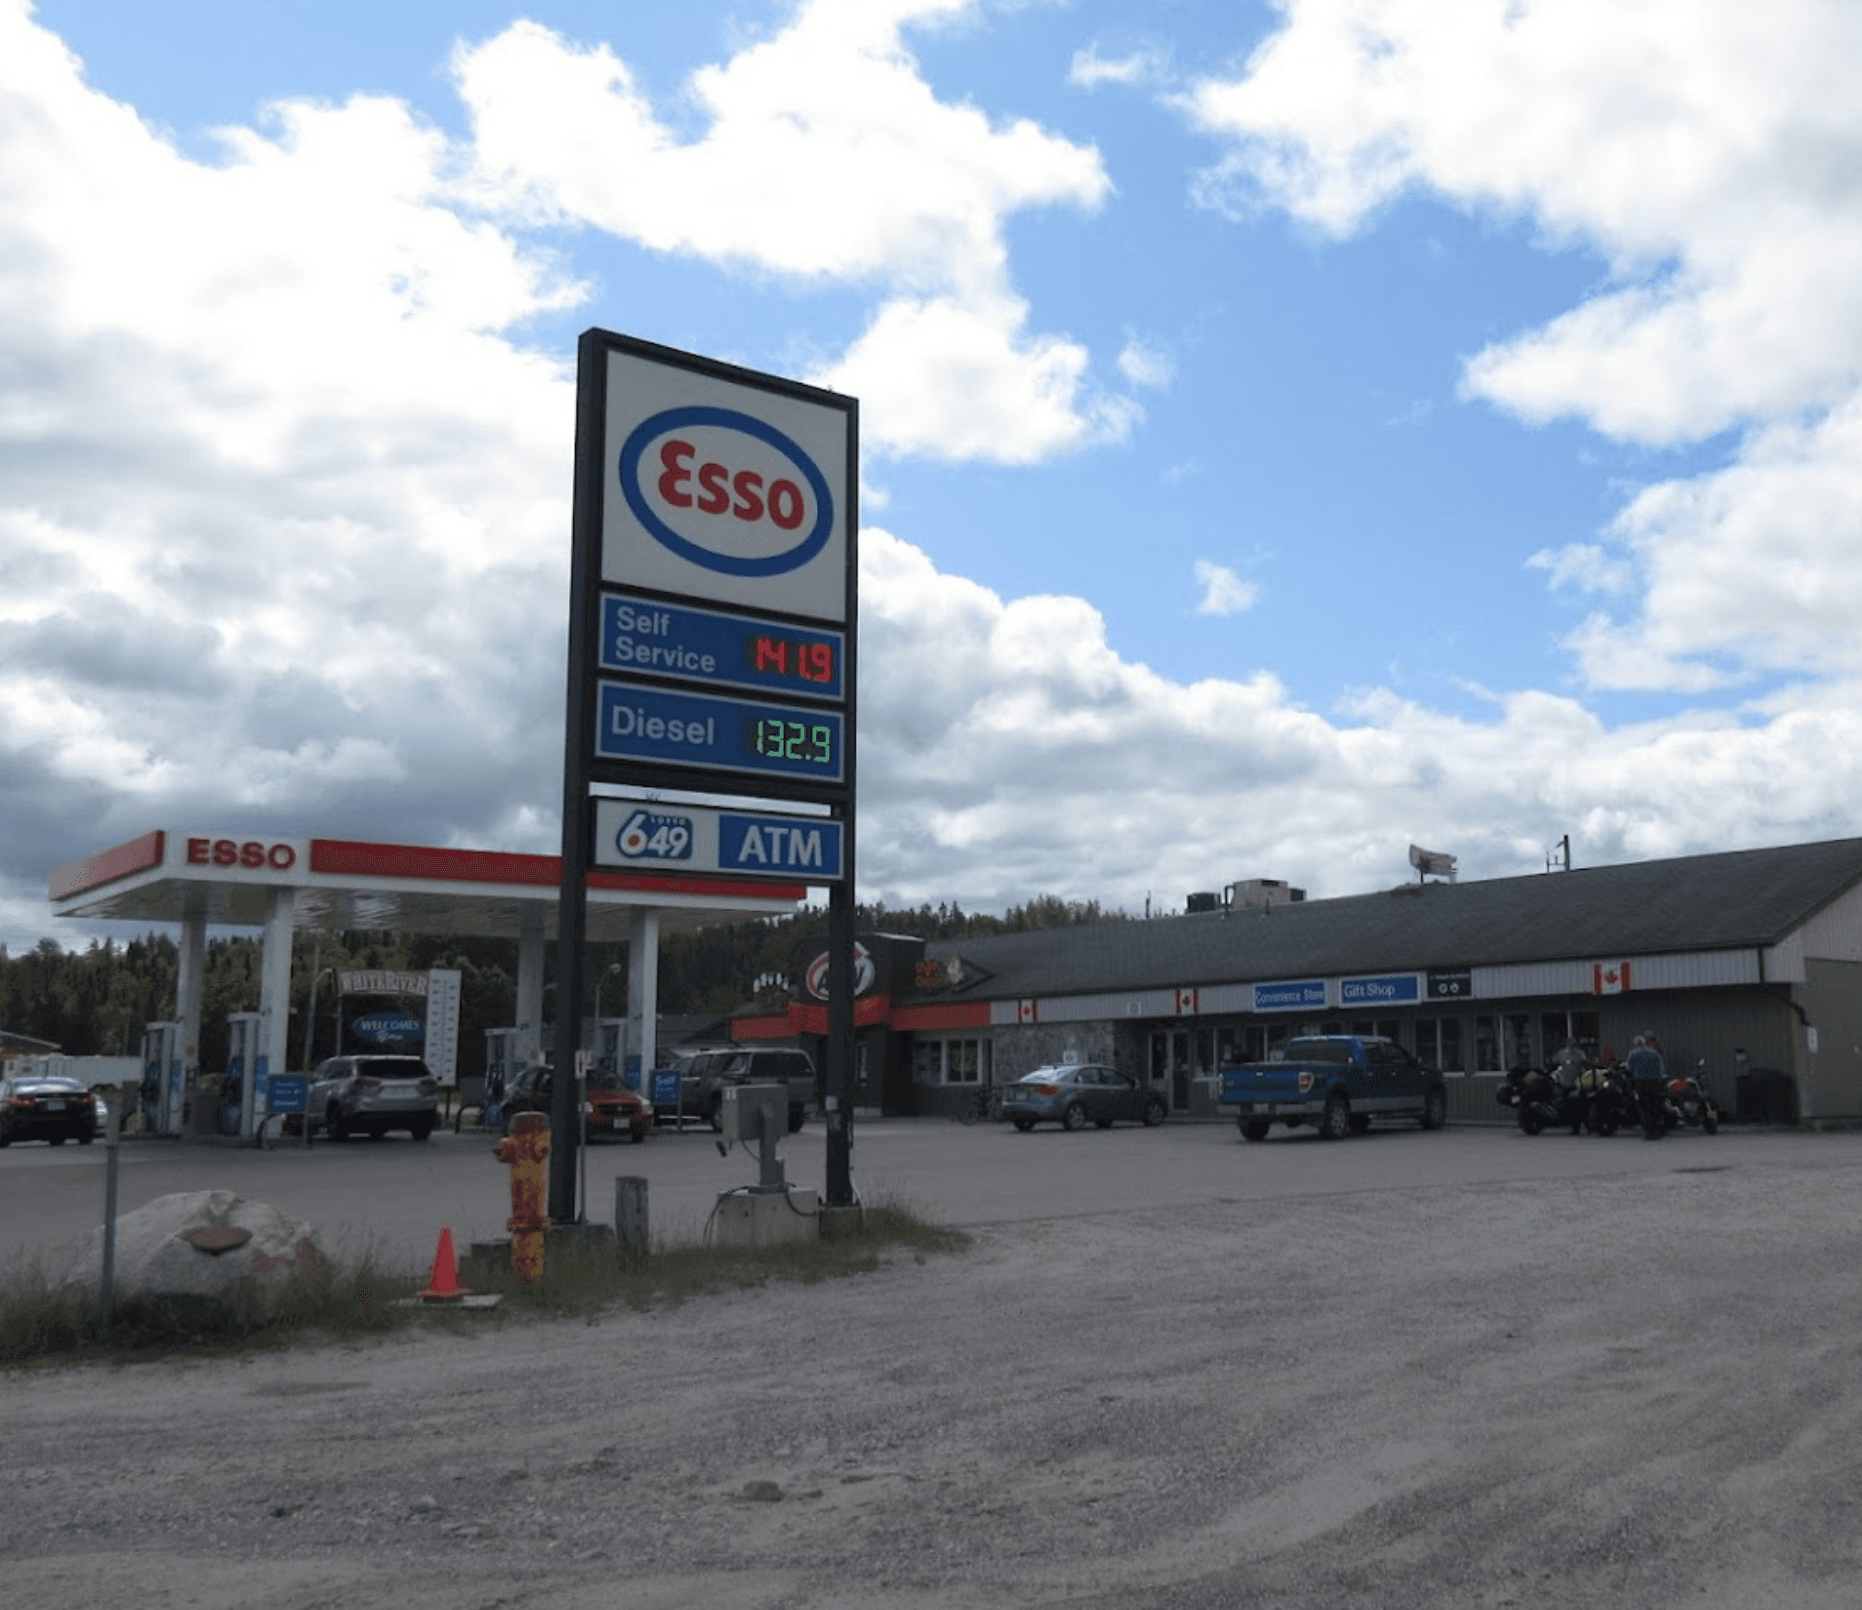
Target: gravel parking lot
1455 1370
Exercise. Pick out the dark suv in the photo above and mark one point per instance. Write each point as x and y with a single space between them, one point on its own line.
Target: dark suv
370 1095
702 1085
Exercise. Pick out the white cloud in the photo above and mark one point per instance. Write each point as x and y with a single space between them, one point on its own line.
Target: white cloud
1223 592
1712 151
1146 365
281 501
955 380
1008 735
1089 69
873 181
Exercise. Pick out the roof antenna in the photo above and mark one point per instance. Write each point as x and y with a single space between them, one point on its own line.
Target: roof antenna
1561 853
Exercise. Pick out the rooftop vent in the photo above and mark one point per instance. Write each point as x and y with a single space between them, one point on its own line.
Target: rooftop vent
1253 893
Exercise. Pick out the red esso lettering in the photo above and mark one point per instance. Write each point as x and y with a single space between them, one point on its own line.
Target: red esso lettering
743 495
252 853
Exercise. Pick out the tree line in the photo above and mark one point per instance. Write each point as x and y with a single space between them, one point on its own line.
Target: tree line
97 1001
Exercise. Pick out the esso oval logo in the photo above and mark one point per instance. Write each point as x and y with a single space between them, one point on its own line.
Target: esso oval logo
726 491
248 853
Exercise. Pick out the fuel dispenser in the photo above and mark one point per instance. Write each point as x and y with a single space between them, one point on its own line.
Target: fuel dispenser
609 1052
244 1065
500 1070
163 1092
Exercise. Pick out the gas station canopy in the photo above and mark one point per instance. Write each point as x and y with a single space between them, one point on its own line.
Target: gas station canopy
231 880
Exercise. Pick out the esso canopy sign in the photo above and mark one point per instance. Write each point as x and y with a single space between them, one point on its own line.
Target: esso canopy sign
717 489
232 855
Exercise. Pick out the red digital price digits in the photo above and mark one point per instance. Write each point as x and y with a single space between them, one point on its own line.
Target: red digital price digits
807 662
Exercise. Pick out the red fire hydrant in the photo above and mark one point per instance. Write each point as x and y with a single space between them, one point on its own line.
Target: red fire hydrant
527 1150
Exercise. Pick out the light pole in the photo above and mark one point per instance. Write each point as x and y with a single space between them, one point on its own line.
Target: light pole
613 968
310 1014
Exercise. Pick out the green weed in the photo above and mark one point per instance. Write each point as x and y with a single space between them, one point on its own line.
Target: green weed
43 1322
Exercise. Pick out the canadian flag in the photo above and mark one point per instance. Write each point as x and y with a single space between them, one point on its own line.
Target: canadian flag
1024 1011
1186 1002
1609 978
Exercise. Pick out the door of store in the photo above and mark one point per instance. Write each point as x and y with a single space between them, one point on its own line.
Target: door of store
1178 1057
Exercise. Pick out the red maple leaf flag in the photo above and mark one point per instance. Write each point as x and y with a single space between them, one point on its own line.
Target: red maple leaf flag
1609 978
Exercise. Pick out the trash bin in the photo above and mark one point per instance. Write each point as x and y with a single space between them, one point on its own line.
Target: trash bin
1749 1104
1766 1096
1781 1097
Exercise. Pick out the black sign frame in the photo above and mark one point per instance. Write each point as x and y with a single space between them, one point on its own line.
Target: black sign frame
691 383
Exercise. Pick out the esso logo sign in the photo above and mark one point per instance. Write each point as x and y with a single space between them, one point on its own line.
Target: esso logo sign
815 980
726 491
252 854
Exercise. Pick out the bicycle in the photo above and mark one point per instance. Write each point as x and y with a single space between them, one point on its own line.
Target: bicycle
986 1103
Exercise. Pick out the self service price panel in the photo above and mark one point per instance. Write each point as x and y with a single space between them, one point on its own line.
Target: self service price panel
641 637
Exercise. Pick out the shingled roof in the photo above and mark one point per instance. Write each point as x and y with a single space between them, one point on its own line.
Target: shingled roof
1734 900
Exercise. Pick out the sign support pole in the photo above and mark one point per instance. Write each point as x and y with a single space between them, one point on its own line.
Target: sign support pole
572 902
841 1042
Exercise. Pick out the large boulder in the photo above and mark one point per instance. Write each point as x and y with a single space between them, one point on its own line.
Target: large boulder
211 1245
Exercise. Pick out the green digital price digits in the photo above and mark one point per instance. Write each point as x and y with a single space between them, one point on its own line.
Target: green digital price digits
779 738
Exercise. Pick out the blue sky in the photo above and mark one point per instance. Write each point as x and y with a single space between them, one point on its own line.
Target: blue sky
1291 432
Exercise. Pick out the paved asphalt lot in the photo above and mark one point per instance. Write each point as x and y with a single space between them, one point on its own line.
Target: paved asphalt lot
394 1195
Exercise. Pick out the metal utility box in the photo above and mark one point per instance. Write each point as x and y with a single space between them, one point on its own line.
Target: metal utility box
749 1112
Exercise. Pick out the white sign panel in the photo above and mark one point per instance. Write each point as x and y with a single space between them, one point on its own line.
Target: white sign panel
441 1051
718 490
650 836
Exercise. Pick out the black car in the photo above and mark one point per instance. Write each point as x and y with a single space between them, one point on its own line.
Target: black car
46 1107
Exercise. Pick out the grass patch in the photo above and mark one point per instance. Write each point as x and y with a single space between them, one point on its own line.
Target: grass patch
44 1323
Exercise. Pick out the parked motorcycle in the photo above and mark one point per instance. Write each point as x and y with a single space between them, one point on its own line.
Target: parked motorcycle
1682 1102
1612 1097
1542 1102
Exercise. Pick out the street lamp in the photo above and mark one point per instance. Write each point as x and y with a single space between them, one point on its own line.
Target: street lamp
310 1015
613 968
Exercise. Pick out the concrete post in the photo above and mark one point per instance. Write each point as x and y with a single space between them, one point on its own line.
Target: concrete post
643 990
190 976
530 989
630 1218
274 1000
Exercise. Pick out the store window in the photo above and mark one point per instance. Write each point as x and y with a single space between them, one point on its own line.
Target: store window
1501 1043
1557 1027
950 1062
1487 1045
1438 1043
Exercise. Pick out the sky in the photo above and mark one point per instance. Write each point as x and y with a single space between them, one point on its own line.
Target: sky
1289 432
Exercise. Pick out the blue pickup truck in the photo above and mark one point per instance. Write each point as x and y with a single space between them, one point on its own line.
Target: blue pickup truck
1337 1083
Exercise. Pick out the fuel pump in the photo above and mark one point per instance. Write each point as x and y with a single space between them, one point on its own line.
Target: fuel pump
609 1055
240 1086
161 1094
500 1070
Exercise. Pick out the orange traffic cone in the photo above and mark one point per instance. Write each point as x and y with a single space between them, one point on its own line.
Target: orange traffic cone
443 1284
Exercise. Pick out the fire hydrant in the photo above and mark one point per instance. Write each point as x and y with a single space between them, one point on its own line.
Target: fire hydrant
527 1150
